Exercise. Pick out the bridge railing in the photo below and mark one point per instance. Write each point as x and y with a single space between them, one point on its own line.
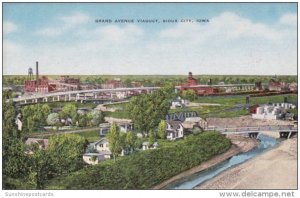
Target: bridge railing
254 128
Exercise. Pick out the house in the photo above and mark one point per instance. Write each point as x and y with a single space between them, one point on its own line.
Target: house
179 103
104 129
99 151
145 146
273 111
101 145
195 121
95 158
124 125
174 129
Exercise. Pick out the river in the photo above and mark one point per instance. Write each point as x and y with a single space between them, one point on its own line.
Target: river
196 179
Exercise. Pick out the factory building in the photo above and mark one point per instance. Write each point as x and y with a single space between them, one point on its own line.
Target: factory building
113 84
44 85
192 85
38 84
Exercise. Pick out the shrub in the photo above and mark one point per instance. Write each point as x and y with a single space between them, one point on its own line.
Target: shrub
145 169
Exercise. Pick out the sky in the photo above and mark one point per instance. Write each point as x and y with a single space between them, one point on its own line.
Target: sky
236 38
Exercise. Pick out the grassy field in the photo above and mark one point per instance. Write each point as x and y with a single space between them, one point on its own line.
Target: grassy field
91 136
232 106
232 100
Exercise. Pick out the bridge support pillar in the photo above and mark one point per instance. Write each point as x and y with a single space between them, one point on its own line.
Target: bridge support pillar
284 134
291 134
253 135
45 99
58 98
65 98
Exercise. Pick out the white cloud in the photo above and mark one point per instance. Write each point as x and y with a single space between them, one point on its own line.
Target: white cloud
76 18
9 27
227 25
289 19
67 23
51 31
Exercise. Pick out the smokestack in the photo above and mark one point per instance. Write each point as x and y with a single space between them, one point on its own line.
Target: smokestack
37 72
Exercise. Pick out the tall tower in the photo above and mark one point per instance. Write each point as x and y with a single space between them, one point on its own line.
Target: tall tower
30 73
37 72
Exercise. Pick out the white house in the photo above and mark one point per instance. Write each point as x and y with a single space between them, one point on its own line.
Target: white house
272 112
100 151
95 158
101 145
179 103
174 130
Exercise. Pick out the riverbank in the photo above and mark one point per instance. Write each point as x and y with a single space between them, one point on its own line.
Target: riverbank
239 144
274 169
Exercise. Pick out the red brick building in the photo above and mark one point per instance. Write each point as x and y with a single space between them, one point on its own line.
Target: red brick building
40 85
112 84
192 85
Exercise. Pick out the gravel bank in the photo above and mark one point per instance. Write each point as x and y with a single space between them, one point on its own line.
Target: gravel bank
275 169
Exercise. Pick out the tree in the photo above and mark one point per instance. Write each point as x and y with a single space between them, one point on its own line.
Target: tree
14 159
69 111
151 138
66 152
146 111
114 141
83 120
34 116
46 110
40 168
53 120
162 130
9 126
95 117
131 138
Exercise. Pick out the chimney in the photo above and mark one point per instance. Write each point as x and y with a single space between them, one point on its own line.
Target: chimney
37 72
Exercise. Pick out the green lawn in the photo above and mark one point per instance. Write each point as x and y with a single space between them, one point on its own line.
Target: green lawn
228 103
232 100
91 136
117 114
